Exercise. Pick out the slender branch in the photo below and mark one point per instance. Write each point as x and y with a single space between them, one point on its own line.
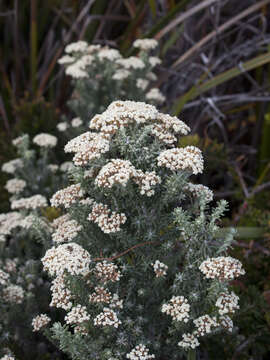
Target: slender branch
260 188
242 181
126 251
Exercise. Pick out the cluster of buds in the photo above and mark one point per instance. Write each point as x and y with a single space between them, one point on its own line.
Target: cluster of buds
106 271
222 268
40 321
107 318
69 257
67 196
159 268
140 352
108 221
178 308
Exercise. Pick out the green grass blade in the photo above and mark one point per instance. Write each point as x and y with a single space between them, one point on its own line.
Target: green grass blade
172 39
245 232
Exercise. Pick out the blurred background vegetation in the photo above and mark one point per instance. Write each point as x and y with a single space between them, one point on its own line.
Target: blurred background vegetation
215 75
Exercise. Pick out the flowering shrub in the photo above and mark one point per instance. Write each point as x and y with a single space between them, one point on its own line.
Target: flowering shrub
146 273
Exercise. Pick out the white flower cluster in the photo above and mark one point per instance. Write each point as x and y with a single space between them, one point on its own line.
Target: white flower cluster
107 318
123 113
165 125
101 295
105 272
146 181
13 294
45 140
77 46
131 62
75 70
205 325
9 221
76 122
77 315
11 166
199 190
142 83
154 61
62 126
119 171
145 44
61 295
79 142
222 268
156 95
40 321
67 196
83 56
178 308
109 222
66 231
53 168
188 158
4 277
159 268
69 257
116 171
189 341
227 303
80 329
7 357
19 140
87 201
32 202
121 74
15 186
140 352
106 53
60 220
87 150
66 59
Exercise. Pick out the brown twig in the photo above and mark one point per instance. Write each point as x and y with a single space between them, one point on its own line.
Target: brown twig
126 251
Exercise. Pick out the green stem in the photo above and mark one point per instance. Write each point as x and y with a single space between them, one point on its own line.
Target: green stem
191 355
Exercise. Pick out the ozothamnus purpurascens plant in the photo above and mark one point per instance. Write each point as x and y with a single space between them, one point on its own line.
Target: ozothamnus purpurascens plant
139 262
